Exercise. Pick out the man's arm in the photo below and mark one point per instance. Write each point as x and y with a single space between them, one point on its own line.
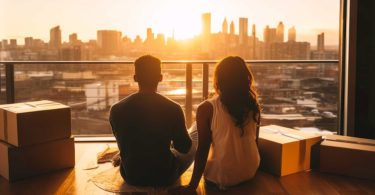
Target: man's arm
181 139
112 121
116 160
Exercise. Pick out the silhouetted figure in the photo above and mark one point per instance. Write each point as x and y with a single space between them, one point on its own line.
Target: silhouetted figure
227 151
145 124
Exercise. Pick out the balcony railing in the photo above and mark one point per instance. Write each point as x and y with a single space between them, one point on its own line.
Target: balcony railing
7 75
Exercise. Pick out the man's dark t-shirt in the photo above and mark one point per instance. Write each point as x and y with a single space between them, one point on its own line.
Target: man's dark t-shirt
144 125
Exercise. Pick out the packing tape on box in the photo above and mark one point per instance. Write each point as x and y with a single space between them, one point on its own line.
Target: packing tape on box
283 133
34 105
350 142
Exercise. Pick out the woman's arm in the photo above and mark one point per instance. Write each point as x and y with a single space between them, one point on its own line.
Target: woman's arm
204 117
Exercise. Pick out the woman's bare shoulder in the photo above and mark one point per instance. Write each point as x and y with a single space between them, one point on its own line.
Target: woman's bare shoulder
205 106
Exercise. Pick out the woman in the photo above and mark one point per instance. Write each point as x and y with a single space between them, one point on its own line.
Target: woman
227 151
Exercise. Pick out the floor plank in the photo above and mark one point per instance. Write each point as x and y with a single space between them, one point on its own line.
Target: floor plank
77 181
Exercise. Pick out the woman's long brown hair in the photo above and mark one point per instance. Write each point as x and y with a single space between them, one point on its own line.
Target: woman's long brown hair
234 83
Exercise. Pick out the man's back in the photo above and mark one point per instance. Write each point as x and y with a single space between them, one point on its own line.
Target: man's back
144 125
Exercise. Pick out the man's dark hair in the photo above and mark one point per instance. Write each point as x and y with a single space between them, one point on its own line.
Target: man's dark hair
147 70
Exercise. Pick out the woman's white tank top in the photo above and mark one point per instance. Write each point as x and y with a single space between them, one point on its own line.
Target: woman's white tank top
232 159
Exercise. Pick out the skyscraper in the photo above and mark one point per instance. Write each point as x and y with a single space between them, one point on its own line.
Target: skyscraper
150 40
254 37
55 38
4 44
206 24
243 31
269 35
292 34
28 42
225 27
13 44
73 38
109 41
232 29
253 31
321 41
160 40
150 35
280 32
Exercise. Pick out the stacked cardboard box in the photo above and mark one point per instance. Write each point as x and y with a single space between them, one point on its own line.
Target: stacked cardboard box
34 139
347 156
285 151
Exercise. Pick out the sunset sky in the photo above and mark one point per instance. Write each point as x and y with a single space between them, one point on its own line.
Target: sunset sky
22 18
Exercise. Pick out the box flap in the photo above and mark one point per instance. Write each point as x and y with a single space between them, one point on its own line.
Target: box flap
352 146
348 139
33 106
283 135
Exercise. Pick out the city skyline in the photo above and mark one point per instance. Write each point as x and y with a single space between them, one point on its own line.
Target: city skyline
157 15
208 44
239 30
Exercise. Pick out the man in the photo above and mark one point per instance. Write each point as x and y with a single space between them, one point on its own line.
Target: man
145 125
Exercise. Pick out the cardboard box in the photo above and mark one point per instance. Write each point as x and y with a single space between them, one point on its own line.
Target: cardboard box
19 163
25 124
348 156
285 151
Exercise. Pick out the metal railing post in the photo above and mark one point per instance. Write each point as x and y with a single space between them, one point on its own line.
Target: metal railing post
205 80
9 81
189 94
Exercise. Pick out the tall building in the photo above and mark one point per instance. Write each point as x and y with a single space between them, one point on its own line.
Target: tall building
160 40
137 43
13 44
28 42
243 31
269 35
150 35
232 29
109 41
55 38
254 37
73 38
225 27
4 43
150 40
280 32
206 24
292 34
321 41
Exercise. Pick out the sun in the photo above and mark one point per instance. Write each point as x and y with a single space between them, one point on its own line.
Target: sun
180 20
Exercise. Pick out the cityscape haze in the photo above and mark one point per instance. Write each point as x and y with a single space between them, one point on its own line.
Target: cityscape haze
113 44
297 95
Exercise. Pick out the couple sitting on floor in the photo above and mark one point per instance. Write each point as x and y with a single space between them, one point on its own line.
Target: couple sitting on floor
155 146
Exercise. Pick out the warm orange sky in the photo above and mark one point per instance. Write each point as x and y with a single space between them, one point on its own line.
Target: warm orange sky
21 18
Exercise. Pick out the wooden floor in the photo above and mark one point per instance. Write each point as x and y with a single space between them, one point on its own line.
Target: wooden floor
77 181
